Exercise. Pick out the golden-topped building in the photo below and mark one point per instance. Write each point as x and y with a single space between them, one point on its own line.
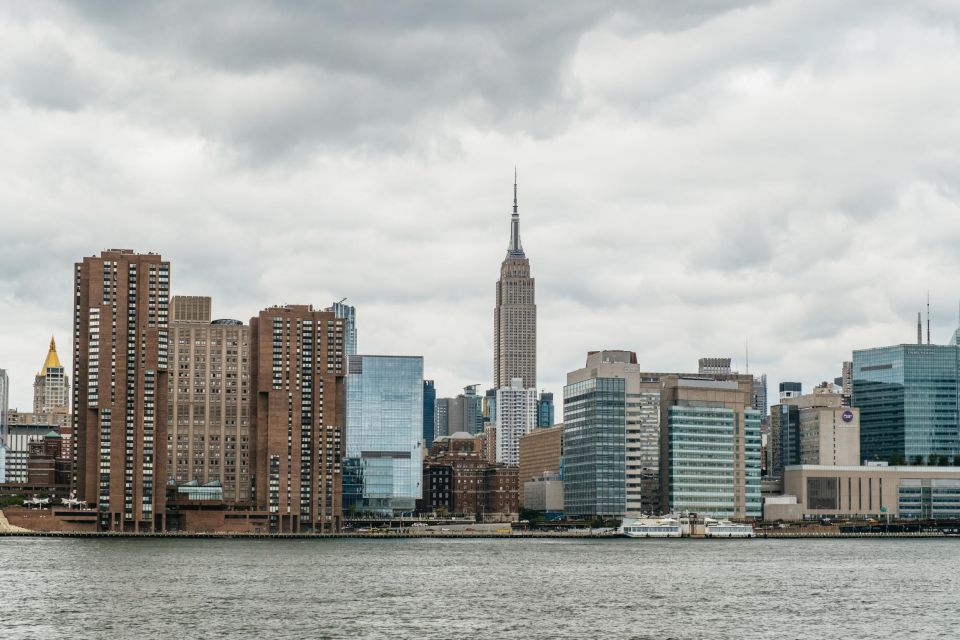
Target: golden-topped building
51 386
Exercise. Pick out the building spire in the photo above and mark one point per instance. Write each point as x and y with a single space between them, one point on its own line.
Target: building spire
515 249
52 361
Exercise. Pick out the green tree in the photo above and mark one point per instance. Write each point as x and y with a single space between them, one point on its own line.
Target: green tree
897 459
918 461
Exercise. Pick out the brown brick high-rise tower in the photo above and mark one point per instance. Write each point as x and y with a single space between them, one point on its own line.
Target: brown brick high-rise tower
120 387
297 412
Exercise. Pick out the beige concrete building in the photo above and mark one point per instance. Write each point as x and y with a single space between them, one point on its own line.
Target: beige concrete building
541 453
710 447
51 387
543 494
208 417
15 417
875 491
829 432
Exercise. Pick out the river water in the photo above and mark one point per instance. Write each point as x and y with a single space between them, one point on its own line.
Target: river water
421 588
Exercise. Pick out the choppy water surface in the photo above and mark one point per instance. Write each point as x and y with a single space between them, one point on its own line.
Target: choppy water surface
655 589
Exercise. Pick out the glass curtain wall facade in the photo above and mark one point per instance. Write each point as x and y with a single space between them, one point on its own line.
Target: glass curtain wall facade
545 410
928 498
383 470
703 467
594 452
789 421
429 411
908 400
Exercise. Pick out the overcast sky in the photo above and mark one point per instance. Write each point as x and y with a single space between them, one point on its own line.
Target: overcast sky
692 174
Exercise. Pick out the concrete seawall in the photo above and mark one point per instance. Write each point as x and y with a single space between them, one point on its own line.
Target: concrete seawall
527 535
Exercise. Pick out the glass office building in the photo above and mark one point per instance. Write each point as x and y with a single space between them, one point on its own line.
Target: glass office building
594 434
429 411
704 471
929 498
908 400
788 424
545 409
383 467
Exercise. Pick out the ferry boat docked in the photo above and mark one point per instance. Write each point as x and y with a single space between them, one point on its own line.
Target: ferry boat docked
653 528
727 529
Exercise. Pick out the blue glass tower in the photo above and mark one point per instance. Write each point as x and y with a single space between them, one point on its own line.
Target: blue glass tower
429 409
594 447
545 410
908 400
383 465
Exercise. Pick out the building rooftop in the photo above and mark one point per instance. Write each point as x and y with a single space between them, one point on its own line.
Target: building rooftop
52 361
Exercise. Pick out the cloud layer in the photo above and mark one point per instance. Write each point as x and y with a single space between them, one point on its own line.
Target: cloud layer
692 175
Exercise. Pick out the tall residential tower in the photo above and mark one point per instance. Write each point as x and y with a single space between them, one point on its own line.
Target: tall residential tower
515 317
297 406
120 339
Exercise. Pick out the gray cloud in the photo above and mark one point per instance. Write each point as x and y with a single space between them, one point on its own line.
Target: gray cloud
692 175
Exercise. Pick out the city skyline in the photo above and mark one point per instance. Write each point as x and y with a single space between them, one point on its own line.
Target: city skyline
818 230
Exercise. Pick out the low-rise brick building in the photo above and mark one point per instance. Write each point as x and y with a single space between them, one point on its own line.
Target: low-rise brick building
458 480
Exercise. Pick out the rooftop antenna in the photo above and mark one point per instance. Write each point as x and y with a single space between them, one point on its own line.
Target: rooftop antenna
919 329
928 316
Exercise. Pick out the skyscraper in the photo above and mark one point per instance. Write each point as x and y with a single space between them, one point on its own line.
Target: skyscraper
516 417
297 368
545 410
208 418
349 316
759 397
429 413
594 435
790 390
490 407
120 387
51 387
908 400
463 413
441 419
515 316
710 447
384 438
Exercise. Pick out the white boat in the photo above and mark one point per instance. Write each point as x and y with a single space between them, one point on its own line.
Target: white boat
727 529
653 528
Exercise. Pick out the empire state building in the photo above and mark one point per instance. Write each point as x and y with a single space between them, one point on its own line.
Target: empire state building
515 317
